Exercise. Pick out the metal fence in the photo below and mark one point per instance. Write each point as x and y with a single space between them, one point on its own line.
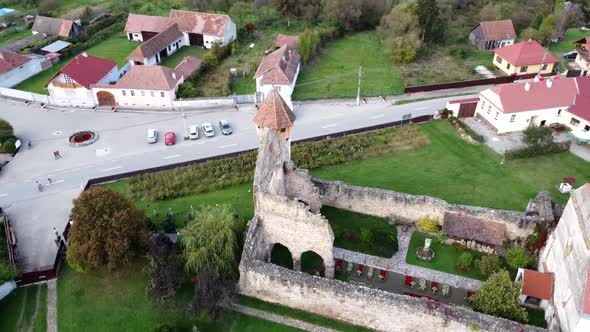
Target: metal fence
466 84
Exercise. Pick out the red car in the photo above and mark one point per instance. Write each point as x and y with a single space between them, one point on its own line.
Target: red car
169 138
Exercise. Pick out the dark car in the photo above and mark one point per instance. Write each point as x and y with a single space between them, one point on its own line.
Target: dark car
570 55
225 127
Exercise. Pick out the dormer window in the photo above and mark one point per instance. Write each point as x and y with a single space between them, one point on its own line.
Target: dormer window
283 130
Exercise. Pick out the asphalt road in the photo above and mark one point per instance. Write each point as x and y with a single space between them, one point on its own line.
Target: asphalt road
122 147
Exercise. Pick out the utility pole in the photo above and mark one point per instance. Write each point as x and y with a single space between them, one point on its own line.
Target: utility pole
358 89
184 130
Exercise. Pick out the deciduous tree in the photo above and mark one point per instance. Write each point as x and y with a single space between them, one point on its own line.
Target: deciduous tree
518 258
535 136
163 269
309 42
498 296
345 13
107 229
288 8
240 11
6 129
400 33
489 264
429 20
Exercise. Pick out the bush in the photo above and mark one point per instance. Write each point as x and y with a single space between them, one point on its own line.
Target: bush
7 272
366 236
489 264
518 258
454 121
169 224
9 146
187 90
464 261
429 225
537 240
535 151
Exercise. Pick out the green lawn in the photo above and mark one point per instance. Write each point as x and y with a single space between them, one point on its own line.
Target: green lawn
537 317
445 257
349 227
336 73
103 301
567 45
299 314
244 85
173 60
24 298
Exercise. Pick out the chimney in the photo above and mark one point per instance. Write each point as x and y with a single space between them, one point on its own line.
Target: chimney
529 41
527 86
549 82
84 54
173 75
1 56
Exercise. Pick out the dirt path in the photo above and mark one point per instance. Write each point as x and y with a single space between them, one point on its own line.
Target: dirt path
52 305
35 313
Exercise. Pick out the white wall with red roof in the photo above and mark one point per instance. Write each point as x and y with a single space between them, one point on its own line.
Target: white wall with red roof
20 73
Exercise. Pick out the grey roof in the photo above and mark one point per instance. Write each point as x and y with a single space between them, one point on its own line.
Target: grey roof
56 46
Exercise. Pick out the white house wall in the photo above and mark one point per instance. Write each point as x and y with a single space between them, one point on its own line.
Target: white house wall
143 98
21 73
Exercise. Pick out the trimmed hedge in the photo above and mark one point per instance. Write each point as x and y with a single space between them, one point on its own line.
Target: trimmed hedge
534 151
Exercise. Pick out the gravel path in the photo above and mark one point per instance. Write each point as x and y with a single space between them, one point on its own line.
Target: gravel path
279 319
52 305
36 312
398 264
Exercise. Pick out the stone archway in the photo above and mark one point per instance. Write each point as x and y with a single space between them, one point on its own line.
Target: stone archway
105 98
313 263
281 255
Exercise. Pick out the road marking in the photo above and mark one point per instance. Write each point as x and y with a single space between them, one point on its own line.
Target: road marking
3 195
112 168
328 126
377 116
227 146
421 108
172 156
58 181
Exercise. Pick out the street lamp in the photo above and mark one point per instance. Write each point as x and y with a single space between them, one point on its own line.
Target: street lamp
184 128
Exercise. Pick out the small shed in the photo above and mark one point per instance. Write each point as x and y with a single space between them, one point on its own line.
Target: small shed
56 46
465 227
536 287
463 108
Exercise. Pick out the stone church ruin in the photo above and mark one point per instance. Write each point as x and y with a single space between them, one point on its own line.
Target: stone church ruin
287 212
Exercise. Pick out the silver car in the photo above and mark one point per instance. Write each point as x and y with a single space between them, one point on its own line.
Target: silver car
208 129
225 127
193 132
152 136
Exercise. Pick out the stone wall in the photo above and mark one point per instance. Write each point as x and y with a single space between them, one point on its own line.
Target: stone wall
406 208
300 187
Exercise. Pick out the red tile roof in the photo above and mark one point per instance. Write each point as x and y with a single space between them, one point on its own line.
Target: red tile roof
525 53
514 97
155 44
274 112
279 67
583 85
87 69
10 60
188 65
537 284
195 22
148 78
138 23
581 107
281 40
498 30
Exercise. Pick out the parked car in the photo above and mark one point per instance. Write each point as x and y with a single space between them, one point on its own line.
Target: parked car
193 132
225 127
169 138
570 55
152 136
208 129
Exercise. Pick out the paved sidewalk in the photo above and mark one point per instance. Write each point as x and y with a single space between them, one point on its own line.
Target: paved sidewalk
52 305
279 319
398 264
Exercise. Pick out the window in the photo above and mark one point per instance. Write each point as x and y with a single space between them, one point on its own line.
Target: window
507 66
574 122
162 94
544 66
283 130
169 48
498 59
142 93
496 117
483 103
133 93
512 117
523 69
152 94
124 92
68 79
489 109
587 128
559 113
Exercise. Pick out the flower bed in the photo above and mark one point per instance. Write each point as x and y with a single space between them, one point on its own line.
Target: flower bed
83 138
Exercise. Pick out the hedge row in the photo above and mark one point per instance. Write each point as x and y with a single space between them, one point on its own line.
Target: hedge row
94 39
534 151
212 58
217 174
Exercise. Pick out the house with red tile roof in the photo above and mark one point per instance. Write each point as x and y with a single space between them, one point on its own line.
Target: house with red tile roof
583 57
545 101
198 29
15 68
52 26
71 85
160 46
493 34
279 69
527 57
537 288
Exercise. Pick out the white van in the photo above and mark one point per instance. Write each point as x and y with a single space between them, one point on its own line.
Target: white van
152 136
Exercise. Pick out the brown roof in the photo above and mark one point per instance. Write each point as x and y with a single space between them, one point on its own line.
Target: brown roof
52 26
526 53
10 60
498 30
537 284
188 65
155 44
196 22
274 112
472 228
281 40
279 67
139 23
585 40
147 78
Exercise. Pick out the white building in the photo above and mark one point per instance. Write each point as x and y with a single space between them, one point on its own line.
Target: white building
160 46
567 256
71 85
198 29
15 68
515 106
279 69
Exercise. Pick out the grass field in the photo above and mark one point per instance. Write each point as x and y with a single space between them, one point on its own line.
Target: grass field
335 75
173 60
445 257
567 45
103 301
24 299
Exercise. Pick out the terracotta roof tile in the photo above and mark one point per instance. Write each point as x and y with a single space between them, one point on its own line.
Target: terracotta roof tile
52 26
537 284
155 44
498 30
87 69
279 67
281 40
274 112
197 22
138 23
188 65
581 107
525 53
472 228
148 78
514 97
10 60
